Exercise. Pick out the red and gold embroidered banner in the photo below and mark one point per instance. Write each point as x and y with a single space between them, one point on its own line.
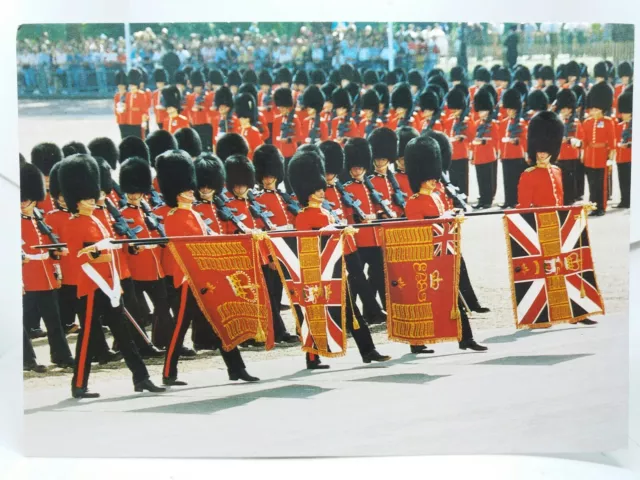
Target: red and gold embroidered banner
422 264
225 276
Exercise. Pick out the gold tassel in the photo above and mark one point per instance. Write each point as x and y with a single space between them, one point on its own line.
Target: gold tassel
454 313
356 325
582 292
260 336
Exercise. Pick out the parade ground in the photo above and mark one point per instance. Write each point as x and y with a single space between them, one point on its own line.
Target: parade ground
557 390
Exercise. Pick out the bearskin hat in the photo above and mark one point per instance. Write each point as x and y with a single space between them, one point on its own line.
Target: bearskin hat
572 69
436 71
511 99
160 75
437 91
159 141
522 89
32 183
265 78
341 98
234 79
536 70
551 91
625 69
318 77
357 153
306 174
79 177
301 78
483 100
537 100
370 77
565 99
503 74
283 75
625 103
600 96
494 68
522 74
610 69
22 159
268 162
54 182
45 156
347 72
546 73
463 88
458 74
334 77
601 70
133 147
391 78
245 106
415 78
405 135
189 141
584 70
180 78
581 97
383 93
209 172
492 91
482 75
239 171
176 174
171 97
440 81
422 161
545 135
197 79
327 90
106 181
445 147
333 156
72 148
105 148
401 97
560 72
283 97
250 76
429 100
312 97
121 78
354 91
456 99
134 77
384 144
223 96
249 88
401 74
215 77
370 100
135 176
231 144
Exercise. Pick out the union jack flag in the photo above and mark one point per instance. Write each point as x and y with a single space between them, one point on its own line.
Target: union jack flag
552 271
445 234
313 274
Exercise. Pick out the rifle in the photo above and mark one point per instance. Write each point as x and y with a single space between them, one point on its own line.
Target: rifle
328 206
376 196
43 227
626 133
460 126
434 118
154 198
225 124
257 211
227 214
314 134
398 196
120 223
453 192
349 202
292 204
123 200
151 219
343 127
286 129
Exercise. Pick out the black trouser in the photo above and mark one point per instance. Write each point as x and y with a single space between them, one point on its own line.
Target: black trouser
466 289
94 307
597 186
162 324
494 180
580 173
609 171
46 305
467 334
624 177
130 131
28 353
512 168
191 311
459 174
372 256
275 288
206 136
173 295
569 181
201 333
360 286
269 140
484 174
30 316
68 299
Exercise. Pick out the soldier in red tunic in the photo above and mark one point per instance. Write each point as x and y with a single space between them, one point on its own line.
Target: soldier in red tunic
198 109
266 105
159 142
402 105
485 146
369 121
569 156
261 121
599 144
343 126
287 129
461 130
313 129
171 99
623 155
40 277
308 179
177 179
405 135
513 146
45 156
104 148
246 111
223 120
384 149
428 117
135 110
98 282
159 110
625 72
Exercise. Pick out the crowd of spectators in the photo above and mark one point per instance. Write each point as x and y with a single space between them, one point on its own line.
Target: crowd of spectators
88 65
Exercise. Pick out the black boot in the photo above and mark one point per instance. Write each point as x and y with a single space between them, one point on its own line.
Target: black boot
151 351
471 345
148 385
34 367
172 381
37 333
377 319
420 349
288 338
480 309
375 356
109 356
187 352
588 321
83 393
284 308
316 364
242 375
66 363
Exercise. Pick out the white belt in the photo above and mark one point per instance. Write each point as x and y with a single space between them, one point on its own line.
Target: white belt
113 293
37 256
284 227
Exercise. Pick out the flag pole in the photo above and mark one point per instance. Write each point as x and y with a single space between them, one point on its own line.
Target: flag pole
392 58
127 43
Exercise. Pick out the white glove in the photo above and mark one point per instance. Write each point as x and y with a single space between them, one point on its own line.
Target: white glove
105 244
506 140
575 143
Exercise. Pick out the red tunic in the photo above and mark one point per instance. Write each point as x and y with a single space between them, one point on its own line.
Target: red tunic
263 127
366 237
46 205
365 122
145 265
253 137
209 212
198 113
382 184
274 203
313 218
58 220
229 125
172 125
350 132
540 187
599 140
422 121
102 214
167 260
460 148
623 154
486 153
120 117
508 150
158 110
403 181
567 151
332 196
265 108
617 91
137 105
182 222
307 126
423 205
38 273
242 208
288 145
446 201
393 121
